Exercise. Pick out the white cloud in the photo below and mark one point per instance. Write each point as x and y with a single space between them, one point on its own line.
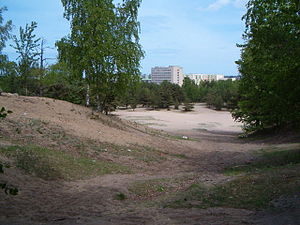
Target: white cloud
218 5
240 3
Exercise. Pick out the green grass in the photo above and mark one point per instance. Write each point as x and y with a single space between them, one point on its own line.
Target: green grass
120 196
153 188
267 160
181 138
180 156
273 174
141 153
51 165
248 192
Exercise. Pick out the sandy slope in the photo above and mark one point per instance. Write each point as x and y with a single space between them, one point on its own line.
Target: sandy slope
92 201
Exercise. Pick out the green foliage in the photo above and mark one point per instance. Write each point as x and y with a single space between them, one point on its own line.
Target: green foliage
4 112
9 79
121 196
58 83
191 90
269 65
26 47
217 94
4 29
8 189
188 106
153 95
165 95
222 94
4 36
104 45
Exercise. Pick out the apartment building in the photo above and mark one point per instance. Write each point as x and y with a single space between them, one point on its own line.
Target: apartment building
173 74
197 78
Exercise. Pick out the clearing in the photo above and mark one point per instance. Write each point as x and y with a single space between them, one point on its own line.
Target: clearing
74 166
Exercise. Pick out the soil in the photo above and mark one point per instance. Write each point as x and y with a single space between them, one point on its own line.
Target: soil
207 140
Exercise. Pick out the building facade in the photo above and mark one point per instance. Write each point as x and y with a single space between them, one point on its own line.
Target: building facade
197 78
173 74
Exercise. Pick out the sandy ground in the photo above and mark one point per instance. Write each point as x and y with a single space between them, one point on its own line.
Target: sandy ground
180 122
92 201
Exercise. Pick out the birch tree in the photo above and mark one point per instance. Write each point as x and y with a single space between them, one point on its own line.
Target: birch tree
103 45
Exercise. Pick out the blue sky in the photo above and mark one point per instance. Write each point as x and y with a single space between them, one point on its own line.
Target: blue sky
199 35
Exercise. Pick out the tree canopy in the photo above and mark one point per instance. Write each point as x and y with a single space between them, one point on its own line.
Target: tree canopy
26 46
5 29
269 65
103 45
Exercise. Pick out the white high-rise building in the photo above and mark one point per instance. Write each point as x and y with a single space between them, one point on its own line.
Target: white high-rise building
173 74
205 77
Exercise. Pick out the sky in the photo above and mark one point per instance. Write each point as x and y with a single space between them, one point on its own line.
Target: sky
198 35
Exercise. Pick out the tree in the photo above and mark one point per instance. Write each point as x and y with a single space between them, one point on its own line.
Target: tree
190 89
58 83
27 48
177 95
166 95
4 36
269 65
145 96
187 105
103 44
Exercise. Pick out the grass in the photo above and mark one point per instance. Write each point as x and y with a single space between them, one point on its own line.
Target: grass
153 188
120 196
180 156
109 121
268 160
182 138
142 153
51 165
42 134
274 174
248 192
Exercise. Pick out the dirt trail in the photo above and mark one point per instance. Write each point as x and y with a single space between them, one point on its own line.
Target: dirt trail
93 201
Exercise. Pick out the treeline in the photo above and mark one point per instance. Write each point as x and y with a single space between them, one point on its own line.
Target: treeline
217 94
103 72
57 82
54 81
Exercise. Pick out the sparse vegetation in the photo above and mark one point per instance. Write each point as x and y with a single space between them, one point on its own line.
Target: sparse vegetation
121 196
52 165
8 189
271 176
153 188
268 160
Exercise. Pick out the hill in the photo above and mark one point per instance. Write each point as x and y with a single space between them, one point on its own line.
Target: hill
75 166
